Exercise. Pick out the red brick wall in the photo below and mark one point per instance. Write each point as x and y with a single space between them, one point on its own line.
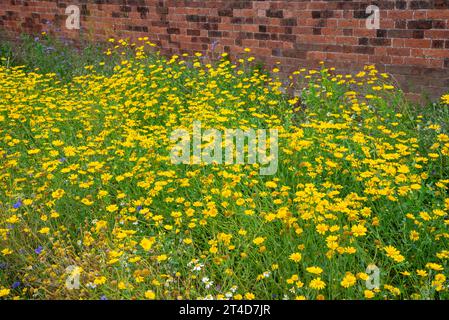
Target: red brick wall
412 43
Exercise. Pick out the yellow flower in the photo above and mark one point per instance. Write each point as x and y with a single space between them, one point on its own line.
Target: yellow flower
6 251
134 259
87 202
293 278
440 278
100 280
393 290
122 285
33 151
349 280
322 228
58 194
296 257
240 202
421 273
414 235
100 224
57 143
249 296
249 212
150 295
394 253
162 257
314 270
368 294
4 292
258 241
44 230
147 244
403 169
271 184
435 266
359 230
213 250
112 208
13 219
362 276
317 284
69 151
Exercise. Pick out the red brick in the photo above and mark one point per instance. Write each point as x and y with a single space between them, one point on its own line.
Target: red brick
297 33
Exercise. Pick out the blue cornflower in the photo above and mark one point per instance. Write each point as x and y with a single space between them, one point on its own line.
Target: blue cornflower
18 204
38 250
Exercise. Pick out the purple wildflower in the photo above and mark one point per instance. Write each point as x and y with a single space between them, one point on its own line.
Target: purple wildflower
38 250
18 204
214 45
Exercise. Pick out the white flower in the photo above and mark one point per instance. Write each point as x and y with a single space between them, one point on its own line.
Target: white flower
91 285
198 267
192 262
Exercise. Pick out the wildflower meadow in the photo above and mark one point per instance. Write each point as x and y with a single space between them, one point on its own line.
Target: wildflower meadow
92 205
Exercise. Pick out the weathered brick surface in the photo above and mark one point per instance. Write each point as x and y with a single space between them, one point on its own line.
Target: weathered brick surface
412 43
